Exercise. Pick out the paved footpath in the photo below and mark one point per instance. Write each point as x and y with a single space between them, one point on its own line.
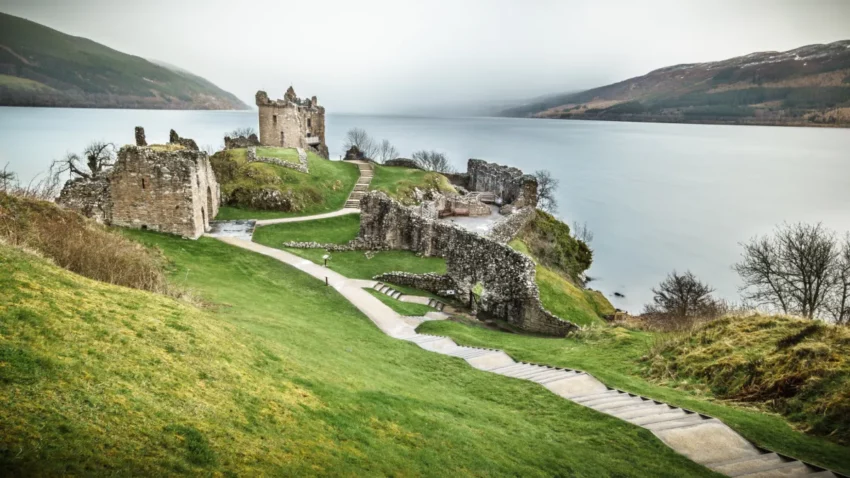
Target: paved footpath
703 439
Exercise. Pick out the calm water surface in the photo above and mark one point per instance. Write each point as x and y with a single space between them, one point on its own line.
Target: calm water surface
658 197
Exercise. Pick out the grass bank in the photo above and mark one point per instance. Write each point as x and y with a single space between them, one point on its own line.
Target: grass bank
333 230
402 308
278 375
616 357
324 189
399 183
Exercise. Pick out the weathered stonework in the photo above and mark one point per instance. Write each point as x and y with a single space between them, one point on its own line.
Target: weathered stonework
508 277
402 162
354 154
187 143
292 122
509 184
507 228
300 166
241 142
439 284
168 191
140 136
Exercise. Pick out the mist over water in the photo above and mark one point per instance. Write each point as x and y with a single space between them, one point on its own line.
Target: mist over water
658 197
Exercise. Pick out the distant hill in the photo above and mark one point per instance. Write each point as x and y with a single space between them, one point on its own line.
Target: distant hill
805 86
40 66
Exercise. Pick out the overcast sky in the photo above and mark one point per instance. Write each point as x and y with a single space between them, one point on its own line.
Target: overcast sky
399 55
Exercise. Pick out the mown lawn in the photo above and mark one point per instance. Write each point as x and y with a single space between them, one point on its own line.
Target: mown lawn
357 265
284 154
333 230
276 375
403 308
613 355
324 189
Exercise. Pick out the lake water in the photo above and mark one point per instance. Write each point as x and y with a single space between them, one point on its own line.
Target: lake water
657 197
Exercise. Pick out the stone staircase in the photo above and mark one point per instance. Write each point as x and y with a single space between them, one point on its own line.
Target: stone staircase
387 290
362 186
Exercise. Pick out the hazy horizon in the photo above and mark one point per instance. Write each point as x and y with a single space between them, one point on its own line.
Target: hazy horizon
391 58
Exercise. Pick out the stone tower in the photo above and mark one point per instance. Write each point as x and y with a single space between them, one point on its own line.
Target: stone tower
291 122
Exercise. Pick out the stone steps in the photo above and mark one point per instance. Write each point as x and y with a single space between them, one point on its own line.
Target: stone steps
361 187
387 290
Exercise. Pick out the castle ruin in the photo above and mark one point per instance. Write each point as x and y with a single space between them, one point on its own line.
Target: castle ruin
292 123
168 189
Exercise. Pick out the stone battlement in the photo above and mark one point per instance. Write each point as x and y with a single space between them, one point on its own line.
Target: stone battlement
291 122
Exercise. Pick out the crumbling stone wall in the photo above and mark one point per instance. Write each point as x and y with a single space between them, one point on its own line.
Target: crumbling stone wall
509 184
507 276
290 121
300 166
167 191
439 284
140 136
507 228
241 142
89 197
174 138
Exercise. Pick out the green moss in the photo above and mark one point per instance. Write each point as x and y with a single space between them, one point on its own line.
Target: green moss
399 183
324 189
549 241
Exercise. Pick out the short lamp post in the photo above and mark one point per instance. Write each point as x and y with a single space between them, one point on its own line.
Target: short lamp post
326 257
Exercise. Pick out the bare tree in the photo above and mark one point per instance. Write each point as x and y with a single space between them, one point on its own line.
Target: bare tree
7 178
546 187
582 232
360 138
432 161
682 296
839 300
385 152
796 270
98 155
242 132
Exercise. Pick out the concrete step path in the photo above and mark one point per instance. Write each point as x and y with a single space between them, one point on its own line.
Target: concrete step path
362 186
703 439
413 299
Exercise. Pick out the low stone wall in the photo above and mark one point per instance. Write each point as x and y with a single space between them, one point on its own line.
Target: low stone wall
507 276
350 246
435 283
402 162
300 166
507 228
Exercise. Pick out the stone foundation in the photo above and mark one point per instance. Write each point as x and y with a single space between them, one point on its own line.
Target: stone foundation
300 166
435 283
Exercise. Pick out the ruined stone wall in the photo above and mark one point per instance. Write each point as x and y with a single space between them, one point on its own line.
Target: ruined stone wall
439 284
507 228
89 197
509 184
507 276
173 192
241 142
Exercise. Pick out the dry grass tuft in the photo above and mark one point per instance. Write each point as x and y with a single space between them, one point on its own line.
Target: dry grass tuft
796 367
80 245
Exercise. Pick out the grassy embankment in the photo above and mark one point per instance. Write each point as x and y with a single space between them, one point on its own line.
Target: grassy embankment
324 189
617 356
276 375
402 308
399 183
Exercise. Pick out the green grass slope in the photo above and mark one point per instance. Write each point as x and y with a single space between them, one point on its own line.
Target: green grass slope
325 188
277 375
399 183
65 70
617 357
333 230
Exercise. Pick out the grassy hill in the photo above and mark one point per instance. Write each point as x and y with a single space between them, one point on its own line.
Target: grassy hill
245 186
806 86
275 374
40 66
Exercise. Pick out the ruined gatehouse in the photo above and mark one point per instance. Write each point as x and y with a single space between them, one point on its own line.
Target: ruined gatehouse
166 188
292 122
